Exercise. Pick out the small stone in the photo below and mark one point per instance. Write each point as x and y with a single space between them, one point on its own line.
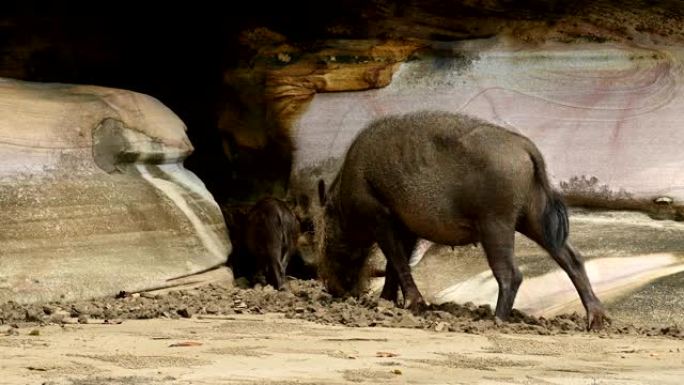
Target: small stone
324 297
49 309
34 332
59 316
255 310
441 326
566 325
408 321
33 316
83 319
441 314
345 316
75 311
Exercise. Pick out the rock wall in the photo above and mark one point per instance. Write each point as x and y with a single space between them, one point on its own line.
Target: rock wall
240 76
605 115
94 198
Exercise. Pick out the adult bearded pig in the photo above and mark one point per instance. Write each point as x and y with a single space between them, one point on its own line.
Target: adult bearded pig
453 180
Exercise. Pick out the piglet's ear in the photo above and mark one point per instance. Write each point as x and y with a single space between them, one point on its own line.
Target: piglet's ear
321 192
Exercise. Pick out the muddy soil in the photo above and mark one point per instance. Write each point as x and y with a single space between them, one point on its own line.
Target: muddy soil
307 300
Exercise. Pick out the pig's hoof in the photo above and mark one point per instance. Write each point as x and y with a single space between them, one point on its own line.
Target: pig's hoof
597 320
416 305
389 296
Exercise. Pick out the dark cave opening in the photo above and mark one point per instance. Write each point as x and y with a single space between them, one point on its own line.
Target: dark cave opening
179 55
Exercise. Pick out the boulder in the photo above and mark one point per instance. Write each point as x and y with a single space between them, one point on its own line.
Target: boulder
94 198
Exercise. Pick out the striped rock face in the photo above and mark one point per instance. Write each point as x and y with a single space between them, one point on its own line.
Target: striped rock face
605 117
94 198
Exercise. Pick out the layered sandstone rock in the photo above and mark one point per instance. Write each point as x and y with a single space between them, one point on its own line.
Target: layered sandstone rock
94 198
267 97
605 116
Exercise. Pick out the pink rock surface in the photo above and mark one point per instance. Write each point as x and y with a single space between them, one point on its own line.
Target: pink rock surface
595 110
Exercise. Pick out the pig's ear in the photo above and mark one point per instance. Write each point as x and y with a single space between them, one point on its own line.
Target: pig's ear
321 192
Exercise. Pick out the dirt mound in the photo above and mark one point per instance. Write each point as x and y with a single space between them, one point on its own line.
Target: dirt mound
306 300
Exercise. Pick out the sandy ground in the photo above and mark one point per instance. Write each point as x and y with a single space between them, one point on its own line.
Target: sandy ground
269 349
204 331
216 334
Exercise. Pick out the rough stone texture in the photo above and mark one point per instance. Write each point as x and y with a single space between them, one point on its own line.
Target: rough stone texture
340 66
94 198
